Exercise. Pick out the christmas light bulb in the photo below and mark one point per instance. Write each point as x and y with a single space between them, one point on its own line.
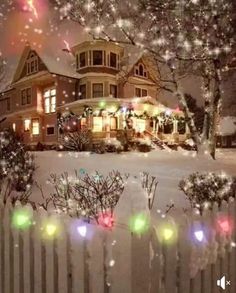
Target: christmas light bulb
82 230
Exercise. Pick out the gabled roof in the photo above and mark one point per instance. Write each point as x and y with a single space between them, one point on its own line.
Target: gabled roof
57 62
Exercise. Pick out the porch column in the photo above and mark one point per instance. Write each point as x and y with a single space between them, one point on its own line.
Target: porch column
107 125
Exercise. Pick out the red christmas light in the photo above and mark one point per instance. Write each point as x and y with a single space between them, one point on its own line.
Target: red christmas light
106 220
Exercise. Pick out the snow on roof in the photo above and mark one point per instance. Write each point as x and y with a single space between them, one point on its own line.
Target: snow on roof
227 126
60 62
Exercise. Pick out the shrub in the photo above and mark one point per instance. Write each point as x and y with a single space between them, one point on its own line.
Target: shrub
77 141
16 164
203 190
143 145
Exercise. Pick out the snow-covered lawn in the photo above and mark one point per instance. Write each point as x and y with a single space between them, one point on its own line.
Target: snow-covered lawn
168 167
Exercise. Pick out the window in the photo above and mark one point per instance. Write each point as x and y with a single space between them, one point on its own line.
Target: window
50 130
82 91
113 60
113 123
35 126
97 58
97 90
140 125
97 124
26 96
140 92
50 101
82 59
8 104
181 126
113 90
83 123
27 125
140 70
32 64
14 127
168 128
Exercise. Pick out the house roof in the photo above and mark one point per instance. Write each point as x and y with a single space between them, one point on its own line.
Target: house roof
57 62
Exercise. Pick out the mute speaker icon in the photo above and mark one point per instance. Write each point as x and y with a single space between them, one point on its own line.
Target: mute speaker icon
222 283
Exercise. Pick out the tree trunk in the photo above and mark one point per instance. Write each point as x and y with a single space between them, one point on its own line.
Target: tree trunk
215 110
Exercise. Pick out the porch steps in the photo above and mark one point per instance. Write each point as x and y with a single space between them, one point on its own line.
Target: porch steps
156 140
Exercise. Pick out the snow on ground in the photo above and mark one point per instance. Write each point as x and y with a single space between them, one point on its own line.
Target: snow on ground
168 167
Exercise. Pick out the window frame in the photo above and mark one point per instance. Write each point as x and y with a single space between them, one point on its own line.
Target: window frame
79 59
50 89
81 96
32 60
54 131
97 83
141 92
116 91
29 125
137 71
102 63
116 61
26 90
32 126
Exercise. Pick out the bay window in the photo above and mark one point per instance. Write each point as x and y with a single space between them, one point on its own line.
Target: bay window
82 59
113 60
97 90
113 90
97 57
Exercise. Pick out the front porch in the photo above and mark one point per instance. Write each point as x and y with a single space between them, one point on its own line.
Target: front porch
142 117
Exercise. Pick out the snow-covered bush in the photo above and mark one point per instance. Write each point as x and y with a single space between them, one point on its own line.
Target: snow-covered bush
80 140
143 145
16 165
205 189
113 145
87 196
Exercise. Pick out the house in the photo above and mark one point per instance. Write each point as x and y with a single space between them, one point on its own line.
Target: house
226 134
120 88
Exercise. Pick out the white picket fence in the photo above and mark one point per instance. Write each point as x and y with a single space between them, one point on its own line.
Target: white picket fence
114 261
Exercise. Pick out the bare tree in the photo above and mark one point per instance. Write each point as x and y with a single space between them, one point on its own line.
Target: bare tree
180 37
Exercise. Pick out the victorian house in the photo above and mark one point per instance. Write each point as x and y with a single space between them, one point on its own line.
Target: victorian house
119 87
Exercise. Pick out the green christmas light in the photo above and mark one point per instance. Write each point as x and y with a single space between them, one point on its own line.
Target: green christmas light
21 219
102 104
139 224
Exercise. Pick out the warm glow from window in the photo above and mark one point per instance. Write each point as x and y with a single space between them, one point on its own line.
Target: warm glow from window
50 101
113 123
27 125
97 124
14 126
140 125
35 127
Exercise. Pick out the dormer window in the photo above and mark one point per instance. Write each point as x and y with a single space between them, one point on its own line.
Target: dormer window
140 70
32 64
97 57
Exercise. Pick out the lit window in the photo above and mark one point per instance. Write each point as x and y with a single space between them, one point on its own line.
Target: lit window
26 96
27 125
97 90
97 57
50 130
144 93
14 127
82 59
82 91
50 101
83 123
140 125
113 60
113 90
97 124
113 123
35 126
